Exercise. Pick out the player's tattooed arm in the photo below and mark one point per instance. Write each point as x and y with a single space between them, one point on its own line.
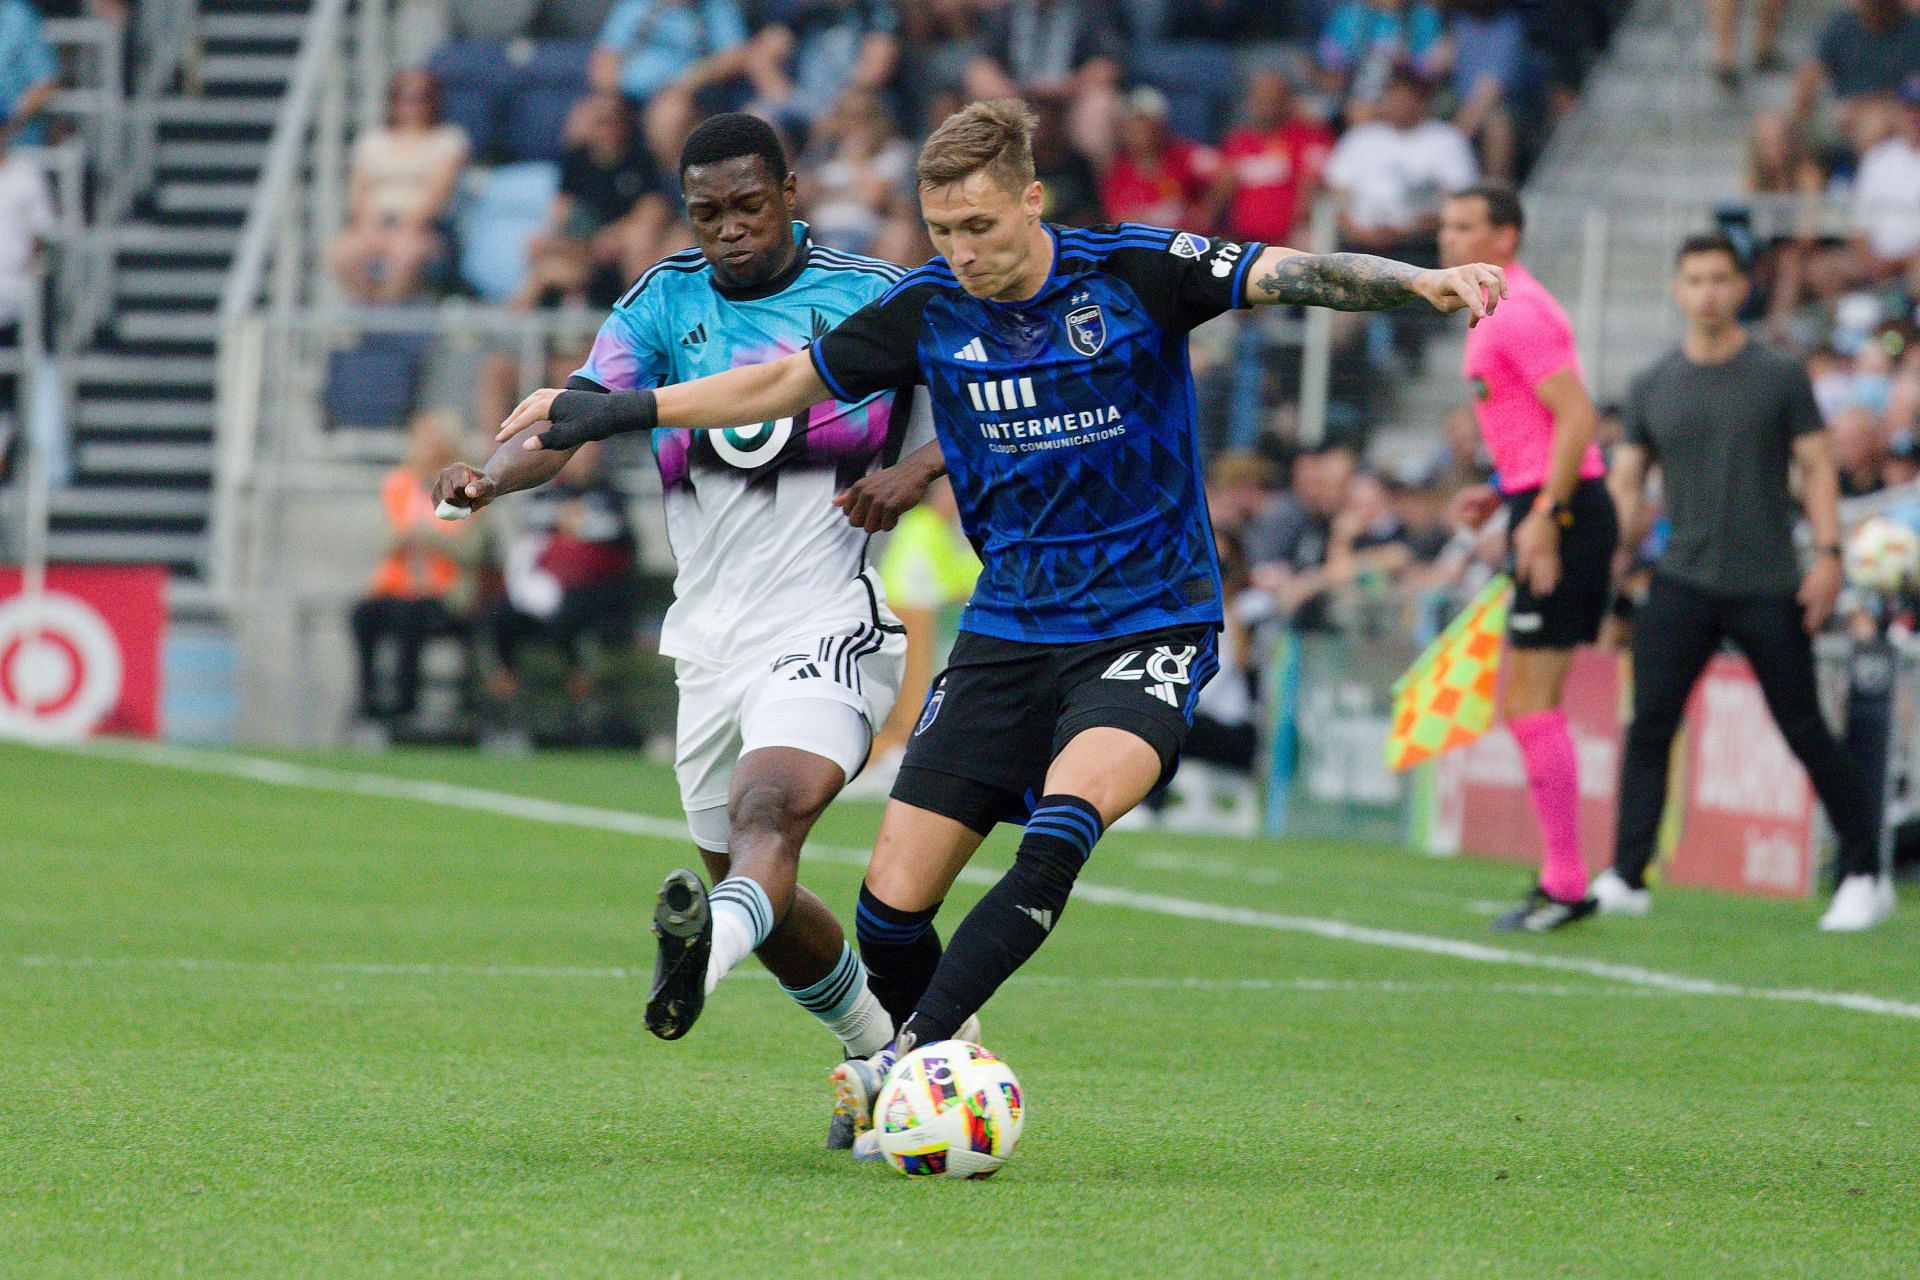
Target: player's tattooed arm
1342 281
1364 282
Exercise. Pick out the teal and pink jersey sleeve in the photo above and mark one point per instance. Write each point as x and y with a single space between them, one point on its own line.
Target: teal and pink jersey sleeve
1509 354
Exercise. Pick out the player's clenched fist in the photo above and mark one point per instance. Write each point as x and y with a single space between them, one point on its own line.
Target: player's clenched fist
459 491
1475 286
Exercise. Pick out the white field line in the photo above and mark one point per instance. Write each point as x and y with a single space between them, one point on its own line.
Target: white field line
610 973
340 781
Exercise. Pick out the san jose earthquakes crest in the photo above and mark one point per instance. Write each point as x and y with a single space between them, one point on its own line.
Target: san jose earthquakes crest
1087 330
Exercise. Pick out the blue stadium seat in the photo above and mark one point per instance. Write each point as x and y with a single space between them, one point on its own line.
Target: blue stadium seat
541 91
506 208
473 76
1198 77
375 383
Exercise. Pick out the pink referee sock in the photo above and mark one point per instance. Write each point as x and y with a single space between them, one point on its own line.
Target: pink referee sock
1553 783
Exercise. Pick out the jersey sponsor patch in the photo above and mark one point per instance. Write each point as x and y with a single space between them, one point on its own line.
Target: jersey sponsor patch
1087 330
1188 245
1226 257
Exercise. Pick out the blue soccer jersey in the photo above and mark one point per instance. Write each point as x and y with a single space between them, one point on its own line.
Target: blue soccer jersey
750 511
1067 424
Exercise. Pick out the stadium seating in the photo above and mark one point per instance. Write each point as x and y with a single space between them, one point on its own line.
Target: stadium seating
472 75
538 96
504 209
375 383
1198 77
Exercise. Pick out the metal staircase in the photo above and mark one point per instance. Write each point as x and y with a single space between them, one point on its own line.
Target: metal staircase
143 391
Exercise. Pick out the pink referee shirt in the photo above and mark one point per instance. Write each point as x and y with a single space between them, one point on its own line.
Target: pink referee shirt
1522 344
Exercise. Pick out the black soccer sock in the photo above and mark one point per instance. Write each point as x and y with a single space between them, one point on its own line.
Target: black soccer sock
1009 924
900 949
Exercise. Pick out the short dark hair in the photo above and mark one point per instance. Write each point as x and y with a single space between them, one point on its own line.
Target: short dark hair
731 135
1710 242
1503 204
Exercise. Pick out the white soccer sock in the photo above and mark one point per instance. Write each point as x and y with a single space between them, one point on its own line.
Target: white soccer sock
842 1001
742 919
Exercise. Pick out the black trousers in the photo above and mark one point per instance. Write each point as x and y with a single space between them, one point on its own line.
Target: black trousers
1674 635
602 610
409 624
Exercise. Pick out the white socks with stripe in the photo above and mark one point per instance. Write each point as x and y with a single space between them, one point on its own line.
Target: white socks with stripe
742 919
843 1003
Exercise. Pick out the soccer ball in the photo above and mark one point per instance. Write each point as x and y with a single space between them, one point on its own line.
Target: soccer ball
950 1109
1883 555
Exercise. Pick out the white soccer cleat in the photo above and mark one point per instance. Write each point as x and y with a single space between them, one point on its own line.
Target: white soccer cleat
1618 898
1861 902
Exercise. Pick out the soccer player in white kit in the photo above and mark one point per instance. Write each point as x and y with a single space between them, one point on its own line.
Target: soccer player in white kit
786 655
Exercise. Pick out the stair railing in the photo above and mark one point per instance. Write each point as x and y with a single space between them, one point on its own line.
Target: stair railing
294 207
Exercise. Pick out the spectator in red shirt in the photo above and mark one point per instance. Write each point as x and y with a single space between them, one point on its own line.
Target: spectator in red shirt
1156 176
1270 166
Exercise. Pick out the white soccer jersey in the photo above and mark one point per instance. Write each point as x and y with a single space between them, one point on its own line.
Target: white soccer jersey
758 543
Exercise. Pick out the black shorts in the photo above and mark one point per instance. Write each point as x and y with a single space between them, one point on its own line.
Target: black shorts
1001 711
1571 614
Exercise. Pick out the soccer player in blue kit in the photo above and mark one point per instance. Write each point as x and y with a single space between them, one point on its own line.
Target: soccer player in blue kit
1056 364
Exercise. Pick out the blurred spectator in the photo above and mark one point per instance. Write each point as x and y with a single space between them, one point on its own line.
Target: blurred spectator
839 45
1489 40
26 220
1071 49
681 57
1886 197
1270 166
1394 170
1863 55
611 218
1071 187
569 574
399 190
424 586
502 383
1460 459
1224 21
1859 449
1294 562
1240 497
849 176
1724 17
1367 41
1368 533
1156 176
28 75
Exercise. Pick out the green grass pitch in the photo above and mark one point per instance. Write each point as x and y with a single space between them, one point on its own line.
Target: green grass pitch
250 1029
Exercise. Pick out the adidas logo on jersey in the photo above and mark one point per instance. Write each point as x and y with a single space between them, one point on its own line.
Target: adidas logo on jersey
695 336
975 352
1008 393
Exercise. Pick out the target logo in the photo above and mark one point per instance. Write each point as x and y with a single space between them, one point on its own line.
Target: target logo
749 448
61 671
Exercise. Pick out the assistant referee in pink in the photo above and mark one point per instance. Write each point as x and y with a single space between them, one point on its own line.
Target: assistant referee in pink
1531 400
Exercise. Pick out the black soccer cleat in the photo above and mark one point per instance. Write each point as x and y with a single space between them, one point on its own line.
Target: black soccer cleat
1540 912
684 928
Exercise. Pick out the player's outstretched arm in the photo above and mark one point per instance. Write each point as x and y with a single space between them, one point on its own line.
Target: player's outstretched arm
1364 282
740 397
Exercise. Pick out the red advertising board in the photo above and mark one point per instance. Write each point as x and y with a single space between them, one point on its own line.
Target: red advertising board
1480 796
1747 819
84 657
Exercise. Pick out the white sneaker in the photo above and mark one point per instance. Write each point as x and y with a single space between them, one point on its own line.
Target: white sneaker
1861 902
1618 898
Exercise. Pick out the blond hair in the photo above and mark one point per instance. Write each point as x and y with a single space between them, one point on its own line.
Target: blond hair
995 137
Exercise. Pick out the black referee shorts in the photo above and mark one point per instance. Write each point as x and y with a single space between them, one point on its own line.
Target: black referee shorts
1569 615
1003 709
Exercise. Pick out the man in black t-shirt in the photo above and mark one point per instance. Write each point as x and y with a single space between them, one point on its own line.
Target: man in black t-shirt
1725 419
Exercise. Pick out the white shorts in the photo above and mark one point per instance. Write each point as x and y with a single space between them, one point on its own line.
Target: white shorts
848 656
